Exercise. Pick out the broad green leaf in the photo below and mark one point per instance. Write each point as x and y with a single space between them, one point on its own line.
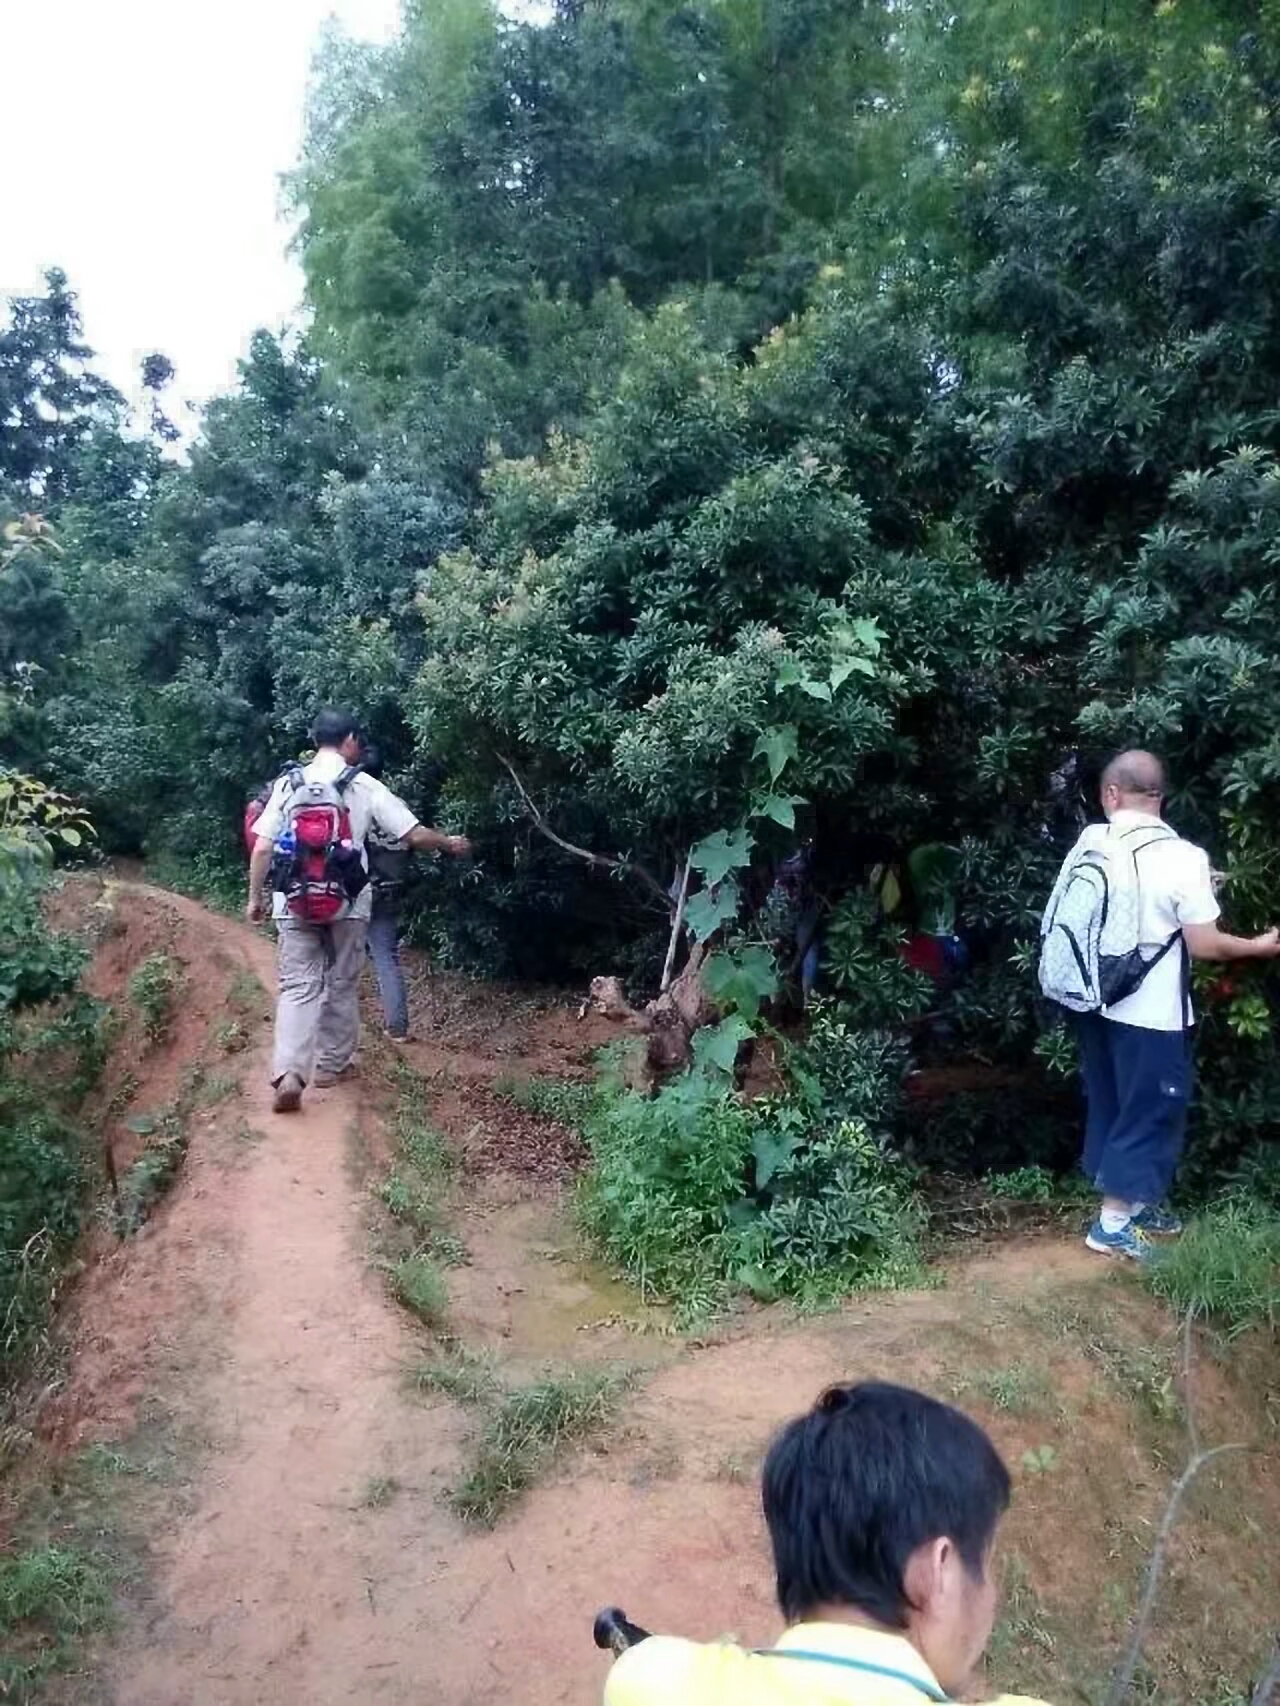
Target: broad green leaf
780 807
770 1152
841 671
741 980
869 633
789 674
70 836
779 746
716 1046
816 689
721 853
710 908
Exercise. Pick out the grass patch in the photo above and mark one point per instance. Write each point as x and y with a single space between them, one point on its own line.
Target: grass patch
379 1490
523 1434
153 990
51 1597
1017 1389
232 1036
421 1288
523 1428
569 1100
415 1241
467 1376
245 994
1225 1267
151 1176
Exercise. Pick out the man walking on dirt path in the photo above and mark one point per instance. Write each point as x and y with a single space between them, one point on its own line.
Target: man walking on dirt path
388 866
1134 904
311 840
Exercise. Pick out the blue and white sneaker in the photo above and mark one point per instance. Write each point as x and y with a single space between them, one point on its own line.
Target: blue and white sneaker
1157 1222
1130 1242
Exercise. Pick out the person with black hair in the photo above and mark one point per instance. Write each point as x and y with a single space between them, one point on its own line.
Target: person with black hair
882 1506
311 840
388 866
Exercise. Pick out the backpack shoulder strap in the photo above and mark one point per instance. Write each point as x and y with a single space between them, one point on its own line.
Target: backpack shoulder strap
347 777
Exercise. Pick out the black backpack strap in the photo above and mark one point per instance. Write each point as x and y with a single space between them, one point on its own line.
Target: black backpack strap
347 777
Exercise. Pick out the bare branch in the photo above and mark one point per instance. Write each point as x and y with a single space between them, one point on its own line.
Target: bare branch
602 861
1122 1680
676 924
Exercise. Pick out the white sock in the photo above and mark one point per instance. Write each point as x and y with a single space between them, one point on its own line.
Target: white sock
1114 1220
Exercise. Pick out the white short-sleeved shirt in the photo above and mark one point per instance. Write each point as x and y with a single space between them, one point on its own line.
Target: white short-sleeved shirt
1176 890
370 806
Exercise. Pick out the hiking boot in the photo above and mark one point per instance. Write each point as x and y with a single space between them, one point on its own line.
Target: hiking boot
1130 1242
288 1096
326 1080
1157 1222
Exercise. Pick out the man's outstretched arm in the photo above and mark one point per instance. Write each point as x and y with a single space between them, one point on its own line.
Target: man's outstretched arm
1207 942
424 840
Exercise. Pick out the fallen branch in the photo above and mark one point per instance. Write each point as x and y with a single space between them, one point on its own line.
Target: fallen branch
1126 1670
602 861
677 924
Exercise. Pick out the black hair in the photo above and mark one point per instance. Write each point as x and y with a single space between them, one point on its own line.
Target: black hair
332 725
868 1475
371 761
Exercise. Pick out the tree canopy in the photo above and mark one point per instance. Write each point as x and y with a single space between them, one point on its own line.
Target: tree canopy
855 414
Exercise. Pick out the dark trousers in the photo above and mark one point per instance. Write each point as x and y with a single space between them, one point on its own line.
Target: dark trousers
1138 1086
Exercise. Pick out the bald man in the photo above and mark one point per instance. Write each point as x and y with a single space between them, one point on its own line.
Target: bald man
1136 1056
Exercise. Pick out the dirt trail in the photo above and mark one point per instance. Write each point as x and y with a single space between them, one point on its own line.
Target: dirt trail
312 1560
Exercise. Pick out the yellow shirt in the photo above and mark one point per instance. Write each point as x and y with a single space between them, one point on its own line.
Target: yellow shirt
872 1668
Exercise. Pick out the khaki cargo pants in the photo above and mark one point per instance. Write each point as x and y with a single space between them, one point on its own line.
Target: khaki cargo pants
318 970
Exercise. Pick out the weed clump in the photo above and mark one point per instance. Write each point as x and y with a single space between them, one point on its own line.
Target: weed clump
421 1288
1225 1267
153 990
50 1597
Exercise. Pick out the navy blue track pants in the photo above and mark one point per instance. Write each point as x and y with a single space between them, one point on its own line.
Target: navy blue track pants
1138 1086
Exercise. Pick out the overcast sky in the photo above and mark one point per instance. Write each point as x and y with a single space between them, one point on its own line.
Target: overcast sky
143 142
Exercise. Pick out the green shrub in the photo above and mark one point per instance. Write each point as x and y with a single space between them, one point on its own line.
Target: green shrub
1225 1267
153 989
699 1190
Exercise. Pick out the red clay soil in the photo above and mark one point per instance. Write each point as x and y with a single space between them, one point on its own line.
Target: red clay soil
312 1558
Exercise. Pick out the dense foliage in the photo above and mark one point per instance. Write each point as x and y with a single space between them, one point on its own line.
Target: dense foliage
879 394
49 1047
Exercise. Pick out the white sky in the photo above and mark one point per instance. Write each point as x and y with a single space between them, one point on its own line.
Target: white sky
143 142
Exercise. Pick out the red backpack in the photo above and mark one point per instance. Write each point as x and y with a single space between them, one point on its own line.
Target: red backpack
317 867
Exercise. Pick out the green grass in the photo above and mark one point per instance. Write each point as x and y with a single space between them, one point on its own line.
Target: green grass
379 1490
157 1167
1225 1267
465 1375
1018 1389
153 990
524 1432
421 1288
51 1597
416 1239
569 1100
